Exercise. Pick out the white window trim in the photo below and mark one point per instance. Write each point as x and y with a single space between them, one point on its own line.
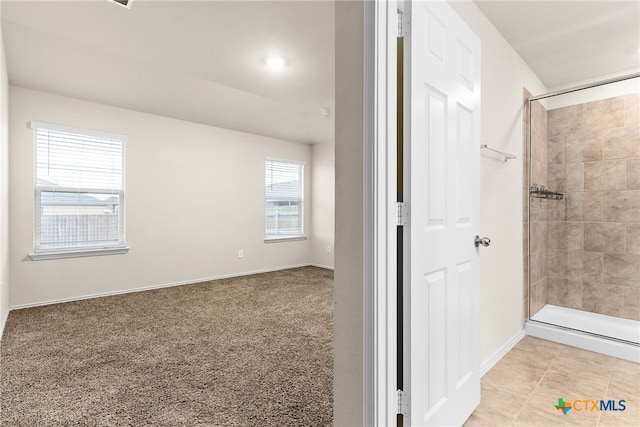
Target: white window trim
84 251
296 237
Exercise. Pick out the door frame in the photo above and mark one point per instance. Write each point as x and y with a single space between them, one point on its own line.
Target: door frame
381 32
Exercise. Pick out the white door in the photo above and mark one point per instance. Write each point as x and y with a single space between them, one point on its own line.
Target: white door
444 289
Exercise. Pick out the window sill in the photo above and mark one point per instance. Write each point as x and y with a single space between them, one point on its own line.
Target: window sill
284 239
41 256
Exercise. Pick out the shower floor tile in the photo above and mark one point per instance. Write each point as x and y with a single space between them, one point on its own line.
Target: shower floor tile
523 388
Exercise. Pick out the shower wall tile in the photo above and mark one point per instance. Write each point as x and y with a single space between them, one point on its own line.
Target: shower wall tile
555 150
538 296
593 264
592 251
605 237
574 203
622 206
607 175
538 209
631 298
575 177
564 121
582 147
557 235
564 293
593 206
556 210
603 299
633 174
557 177
603 114
633 239
538 236
575 236
575 265
621 143
538 172
538 266
622 268
556 264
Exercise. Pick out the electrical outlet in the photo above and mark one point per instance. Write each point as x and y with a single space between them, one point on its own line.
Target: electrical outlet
240 253
328 249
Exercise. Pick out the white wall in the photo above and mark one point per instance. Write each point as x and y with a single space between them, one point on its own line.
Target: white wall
349 285
504 74
610 90
4 189
194 197
322 203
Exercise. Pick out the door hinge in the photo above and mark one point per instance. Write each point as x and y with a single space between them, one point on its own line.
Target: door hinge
403 214
404 24
403 402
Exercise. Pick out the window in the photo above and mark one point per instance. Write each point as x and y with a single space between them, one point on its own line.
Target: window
284 208
79 192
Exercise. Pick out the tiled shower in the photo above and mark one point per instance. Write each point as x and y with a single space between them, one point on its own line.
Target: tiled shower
582 191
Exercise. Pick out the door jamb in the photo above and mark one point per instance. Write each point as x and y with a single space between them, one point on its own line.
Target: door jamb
381 28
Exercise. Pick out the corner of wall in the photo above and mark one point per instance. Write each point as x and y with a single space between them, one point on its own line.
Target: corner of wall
4 188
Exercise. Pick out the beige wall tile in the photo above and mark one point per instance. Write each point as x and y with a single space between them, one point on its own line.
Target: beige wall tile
564 293
538 172
631 298
556 210
538 296
555 151
557 178
603 299
557 235
575 265
633 174
620 143
593 206
603 114
556 264
605 237
574 203
621 206
564 121
575 236
593 263
583 147
633 239
575 177
538 209
538 266
538 236
621 269
605 176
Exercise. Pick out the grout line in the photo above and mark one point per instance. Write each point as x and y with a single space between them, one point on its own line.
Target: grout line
537 385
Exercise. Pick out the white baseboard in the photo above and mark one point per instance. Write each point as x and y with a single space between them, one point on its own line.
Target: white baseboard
326 267
501 352
152 287
4 322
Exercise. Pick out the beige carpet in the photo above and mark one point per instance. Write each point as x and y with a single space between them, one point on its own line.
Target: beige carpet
250 351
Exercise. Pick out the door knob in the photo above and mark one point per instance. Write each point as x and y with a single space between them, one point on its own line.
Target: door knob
484 241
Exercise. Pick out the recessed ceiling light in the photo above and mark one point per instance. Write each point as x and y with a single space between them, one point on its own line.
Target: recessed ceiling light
125 3
275 62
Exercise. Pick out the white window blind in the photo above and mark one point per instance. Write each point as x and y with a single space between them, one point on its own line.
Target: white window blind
79 191
284 199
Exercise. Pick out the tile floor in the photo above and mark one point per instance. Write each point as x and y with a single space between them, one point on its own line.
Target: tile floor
522 389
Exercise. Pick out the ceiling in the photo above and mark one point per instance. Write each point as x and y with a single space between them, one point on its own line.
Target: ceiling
200 61
570 42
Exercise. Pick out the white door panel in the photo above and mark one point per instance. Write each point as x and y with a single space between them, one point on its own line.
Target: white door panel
444 291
